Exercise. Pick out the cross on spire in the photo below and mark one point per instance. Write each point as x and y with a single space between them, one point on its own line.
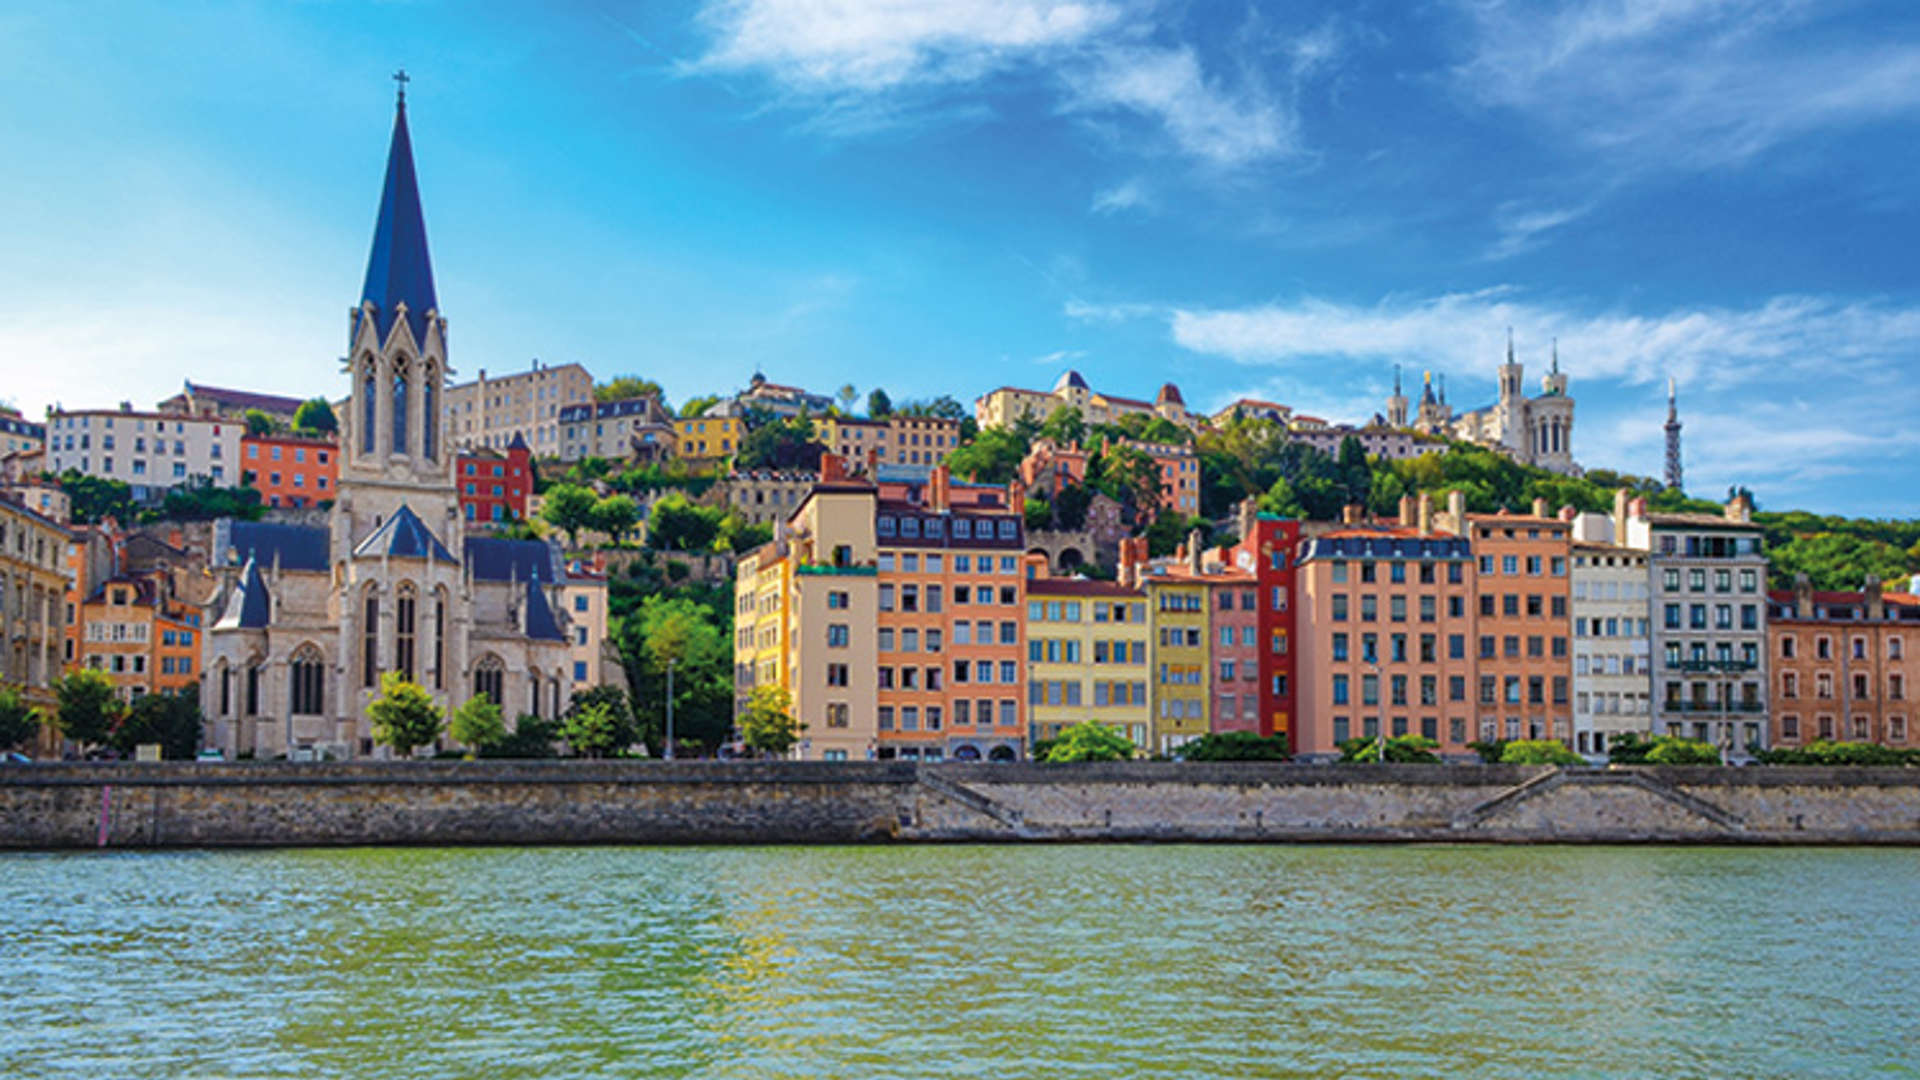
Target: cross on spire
401 77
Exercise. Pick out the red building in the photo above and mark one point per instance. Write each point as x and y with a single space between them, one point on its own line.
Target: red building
290 470
1267 550
494 486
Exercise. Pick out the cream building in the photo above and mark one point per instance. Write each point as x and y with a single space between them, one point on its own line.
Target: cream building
764 497
637 429
310 617
912 441
19 434
1612 677
150 451
1007 404
33 552
490 412
591 659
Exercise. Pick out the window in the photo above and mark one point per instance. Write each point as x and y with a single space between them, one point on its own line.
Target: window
489 677
309 682
403 639
837 636
370 642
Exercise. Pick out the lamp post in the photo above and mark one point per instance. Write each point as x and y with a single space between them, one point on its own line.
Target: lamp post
670 664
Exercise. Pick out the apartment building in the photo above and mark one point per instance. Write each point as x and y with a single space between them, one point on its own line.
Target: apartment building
141 635
18 434
1612 673
1179 645
1709 641
290 470
33 549
1179 470
765 496
583 593
708 440
1267 550
1003 406
915 442
1523 621
1050 466
495 486
489 412
1843 664
1386 614
1087 656
637 429
151 452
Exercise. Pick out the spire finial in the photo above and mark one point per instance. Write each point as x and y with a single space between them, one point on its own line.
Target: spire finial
1509 344
1556 356
402 78
1396 378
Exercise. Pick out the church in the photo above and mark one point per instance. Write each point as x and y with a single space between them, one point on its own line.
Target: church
310 616
1532 430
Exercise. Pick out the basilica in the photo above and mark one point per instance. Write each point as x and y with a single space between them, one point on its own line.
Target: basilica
1531 430
308 617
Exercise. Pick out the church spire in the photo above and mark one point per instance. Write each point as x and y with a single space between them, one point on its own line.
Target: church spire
1556 356
398 269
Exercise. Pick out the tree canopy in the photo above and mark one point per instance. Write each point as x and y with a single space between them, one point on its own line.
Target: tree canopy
767 725
569 509
1089 740
404 716
88 707
623 387
316 415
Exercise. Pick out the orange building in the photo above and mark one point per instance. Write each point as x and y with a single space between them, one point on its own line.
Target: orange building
1049 466
290 470
1843 665
135 631
1385 620
1523 625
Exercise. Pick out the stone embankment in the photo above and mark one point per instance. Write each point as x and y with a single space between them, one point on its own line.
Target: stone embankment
61 805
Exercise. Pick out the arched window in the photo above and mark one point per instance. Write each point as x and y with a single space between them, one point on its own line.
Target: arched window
399 406
488 678
440 638
533 691
556 699
253 688
309 682
370 641
403 639
369 408
226 690
429 416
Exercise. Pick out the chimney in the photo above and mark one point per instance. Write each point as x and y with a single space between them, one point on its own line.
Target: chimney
1539 507
1424 513
1740 508
937 491
1620 516
1406 511
1876 599
1249 520
1129 575
1194 549
1802 596
1637 509
1457 511
833 468
1350 514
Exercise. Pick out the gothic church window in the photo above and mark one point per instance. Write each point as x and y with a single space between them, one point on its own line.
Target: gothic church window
309 682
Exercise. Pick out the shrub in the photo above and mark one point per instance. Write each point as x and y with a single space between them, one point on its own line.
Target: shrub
1090 741
1828 752
1673 750
1488 749
1401 749
1539 752
1237 746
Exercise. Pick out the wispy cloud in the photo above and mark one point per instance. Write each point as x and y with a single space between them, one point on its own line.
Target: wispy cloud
1689 83
1522 229
1127 195
1058 356
857 66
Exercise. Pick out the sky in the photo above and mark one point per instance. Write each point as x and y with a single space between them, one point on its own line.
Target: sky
1277 200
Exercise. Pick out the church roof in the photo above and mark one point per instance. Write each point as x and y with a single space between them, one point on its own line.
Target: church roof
248 607
404 536
296 547
496 559
398 268
1070 379
541 624
518 442
1169 395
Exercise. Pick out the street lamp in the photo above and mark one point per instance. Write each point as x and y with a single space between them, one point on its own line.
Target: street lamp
670 664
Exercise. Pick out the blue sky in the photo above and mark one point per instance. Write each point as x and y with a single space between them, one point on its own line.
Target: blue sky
1277 200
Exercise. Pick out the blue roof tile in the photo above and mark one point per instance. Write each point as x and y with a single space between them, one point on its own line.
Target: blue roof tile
496 559
297 547
399 268
404 536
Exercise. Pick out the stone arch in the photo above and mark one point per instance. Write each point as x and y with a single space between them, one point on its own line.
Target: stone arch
966 752
489 678
1002 753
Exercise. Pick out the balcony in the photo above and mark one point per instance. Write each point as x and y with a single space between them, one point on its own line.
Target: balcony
1713 665
1713 707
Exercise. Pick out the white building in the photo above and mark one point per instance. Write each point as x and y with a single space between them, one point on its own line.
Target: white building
1612 678
150 451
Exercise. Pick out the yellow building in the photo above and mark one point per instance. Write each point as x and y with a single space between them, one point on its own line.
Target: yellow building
584 595
760 613
1003 406
1087 648
922 441
705 440
1177 608
32 603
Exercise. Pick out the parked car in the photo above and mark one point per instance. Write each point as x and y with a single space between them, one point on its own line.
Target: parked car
210 754
15 757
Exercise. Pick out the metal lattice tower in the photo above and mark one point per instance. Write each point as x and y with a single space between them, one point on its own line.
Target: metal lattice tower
1673 436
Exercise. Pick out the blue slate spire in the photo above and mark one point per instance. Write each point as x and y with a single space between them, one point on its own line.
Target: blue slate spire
399 268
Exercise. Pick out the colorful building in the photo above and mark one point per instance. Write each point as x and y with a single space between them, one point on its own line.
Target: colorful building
491 413
290 470
149 451
583 594
1178 645
1522 621
915 442
1842 665
1087 657
707 441
1003 406
33 609
636 429
142 636
494 485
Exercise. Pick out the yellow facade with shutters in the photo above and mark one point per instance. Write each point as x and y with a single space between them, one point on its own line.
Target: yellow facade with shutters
1179 657
1087 653
707 438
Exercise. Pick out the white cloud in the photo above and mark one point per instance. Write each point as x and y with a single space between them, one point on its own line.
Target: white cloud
1128 195
1693 83
1523 230
859 65
1058 356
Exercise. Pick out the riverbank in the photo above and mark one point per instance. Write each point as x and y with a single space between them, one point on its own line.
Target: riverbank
252 804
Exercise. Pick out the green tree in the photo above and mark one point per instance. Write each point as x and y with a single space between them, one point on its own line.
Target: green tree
316 415
1089 740
404 715
1038 514
767 725
171 720
624 387
1673 750
260 423
1828 752
698 405
780 443
616 515
88 705
1489 750
1070 505
532 737
692 635
1401 749
612 728
569 509
676 524
478 725
19 721
96 499
1065 425
848 395
879 405
1126 473
992 457
1237 746
1539 752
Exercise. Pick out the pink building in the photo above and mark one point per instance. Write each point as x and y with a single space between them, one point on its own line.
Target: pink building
1233 625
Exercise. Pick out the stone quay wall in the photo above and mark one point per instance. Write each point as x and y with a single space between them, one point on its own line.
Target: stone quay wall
71 805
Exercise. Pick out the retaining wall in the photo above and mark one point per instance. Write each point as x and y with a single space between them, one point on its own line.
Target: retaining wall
66 805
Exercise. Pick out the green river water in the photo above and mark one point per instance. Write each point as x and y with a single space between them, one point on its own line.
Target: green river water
1059 961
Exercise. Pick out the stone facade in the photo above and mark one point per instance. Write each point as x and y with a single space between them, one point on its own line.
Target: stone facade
1531 430
489 412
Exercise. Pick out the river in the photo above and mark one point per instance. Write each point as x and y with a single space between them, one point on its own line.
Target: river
1001 962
